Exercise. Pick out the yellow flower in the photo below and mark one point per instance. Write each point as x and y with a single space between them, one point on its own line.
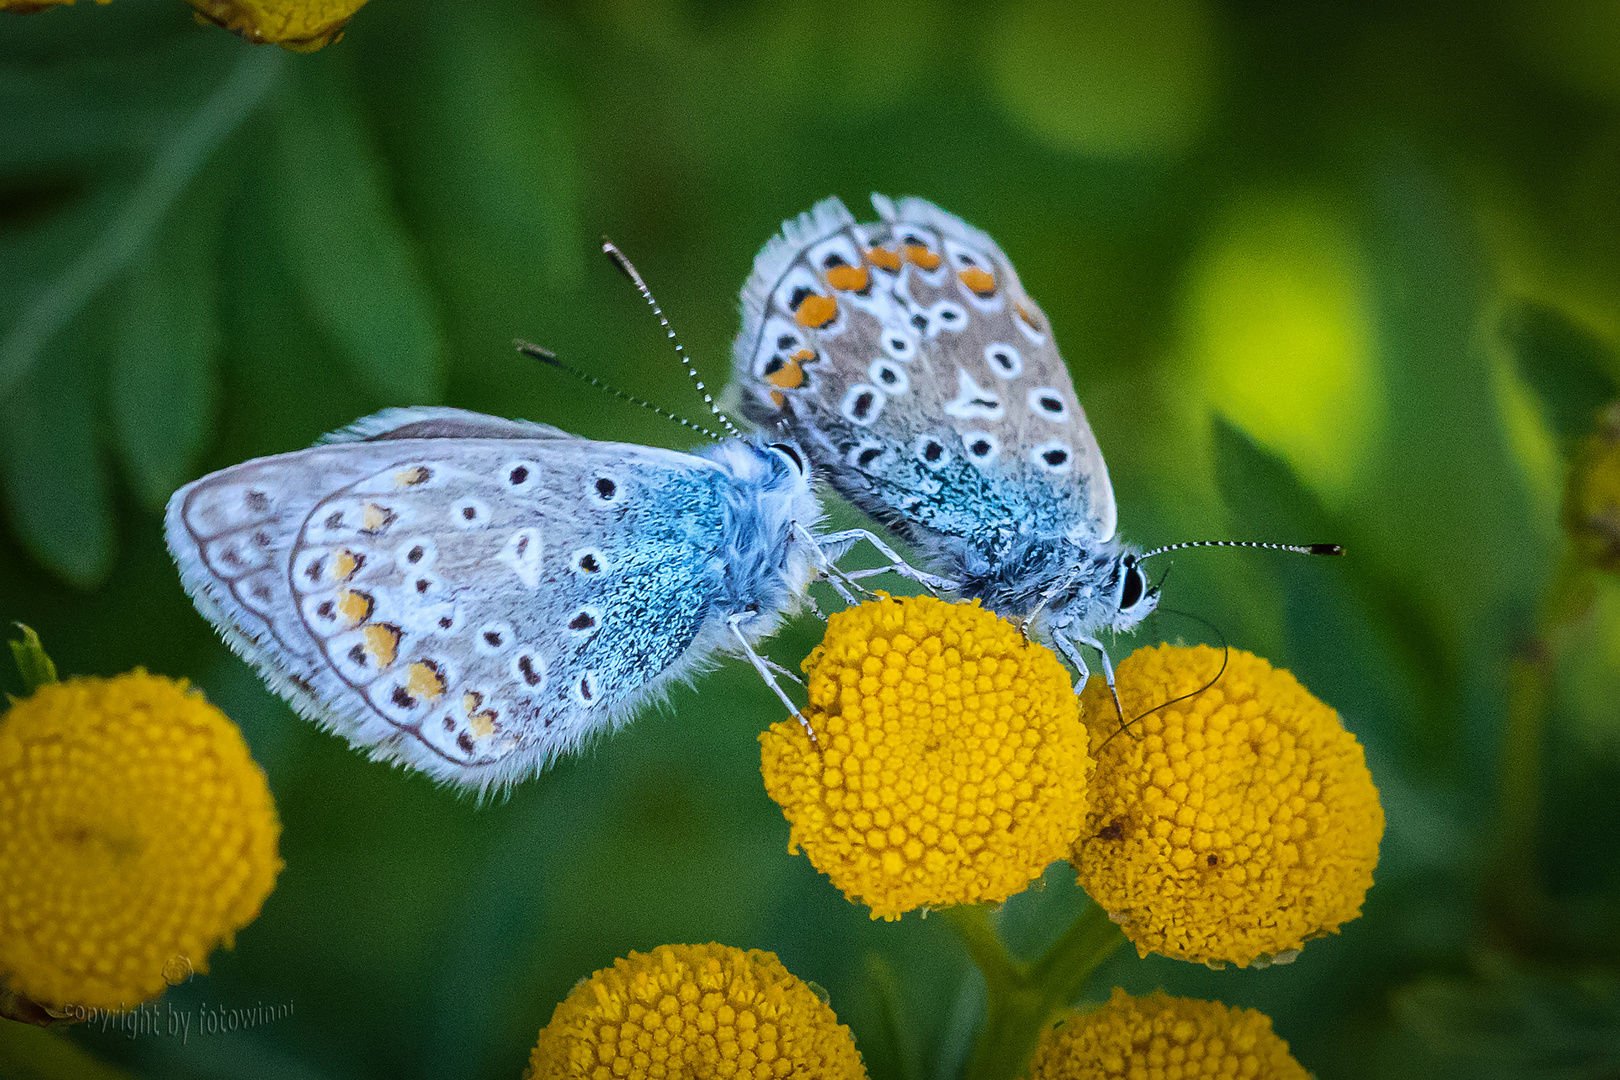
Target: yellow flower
1231 826
299 25
694 1011
1159 1037
1592 500
136 834
951 765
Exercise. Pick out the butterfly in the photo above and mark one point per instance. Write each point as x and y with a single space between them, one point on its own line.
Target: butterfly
472 596
924 383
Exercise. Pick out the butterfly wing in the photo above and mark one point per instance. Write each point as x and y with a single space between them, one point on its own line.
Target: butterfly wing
907 356
467 595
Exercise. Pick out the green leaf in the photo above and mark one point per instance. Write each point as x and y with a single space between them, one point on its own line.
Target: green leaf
1572 370
163 384
33 662
347 249
56 488
893 1025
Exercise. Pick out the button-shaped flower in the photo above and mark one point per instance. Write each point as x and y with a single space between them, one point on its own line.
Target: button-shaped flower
949 765
694 1011
136 835
1231 826
1159 1037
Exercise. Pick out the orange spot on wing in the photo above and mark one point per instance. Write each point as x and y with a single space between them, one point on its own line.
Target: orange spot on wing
849 278
883 257
424 681
482 724
344 564
817 311
376 518
355 606
1029 317
382 643
803 356
979 281
416 474
922 257
789 376
777 399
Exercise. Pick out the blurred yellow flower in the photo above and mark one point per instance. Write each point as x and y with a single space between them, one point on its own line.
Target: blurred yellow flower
136 834
1229 827
1592 501
1159 1037
951 765
299 25
694 1011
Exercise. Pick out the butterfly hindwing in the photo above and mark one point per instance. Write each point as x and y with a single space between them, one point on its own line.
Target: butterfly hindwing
469 599
924 378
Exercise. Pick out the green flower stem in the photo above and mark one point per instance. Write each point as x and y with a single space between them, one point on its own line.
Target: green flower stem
33 662
1025 997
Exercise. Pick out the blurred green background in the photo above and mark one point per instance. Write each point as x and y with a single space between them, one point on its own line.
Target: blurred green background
1321 272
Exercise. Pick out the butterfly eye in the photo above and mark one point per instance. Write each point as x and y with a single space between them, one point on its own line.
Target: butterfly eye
790 452
1134 588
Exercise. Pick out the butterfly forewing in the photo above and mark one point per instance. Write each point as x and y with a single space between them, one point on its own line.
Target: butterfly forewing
472 605
924 378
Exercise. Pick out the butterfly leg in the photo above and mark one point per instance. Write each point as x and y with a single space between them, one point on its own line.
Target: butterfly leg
1108 671
827 568
763 666
897 565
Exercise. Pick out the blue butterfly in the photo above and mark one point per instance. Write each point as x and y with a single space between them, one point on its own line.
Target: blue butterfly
473 596
907 359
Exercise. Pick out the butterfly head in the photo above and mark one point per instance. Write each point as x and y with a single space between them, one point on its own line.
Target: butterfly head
1135 597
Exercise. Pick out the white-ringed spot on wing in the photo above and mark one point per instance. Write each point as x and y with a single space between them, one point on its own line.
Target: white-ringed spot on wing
469 513
529 671
1047 403
377 648
443 620
1055 457
425 585
342 610
522 554
481 719
1004 360
890 376
865 454
585 621
258 592
588 562
493 638
317 567
416 554
256 502
840 265
947 315
520 477
899 343
604 489
931 451
412 476
585 689
972 401
426 680
973 269
921 249
862 403
800 295
981 446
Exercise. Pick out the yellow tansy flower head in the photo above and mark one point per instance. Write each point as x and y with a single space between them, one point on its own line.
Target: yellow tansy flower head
694 1011
951 765
136 834
1159 1037
299 25
1229 827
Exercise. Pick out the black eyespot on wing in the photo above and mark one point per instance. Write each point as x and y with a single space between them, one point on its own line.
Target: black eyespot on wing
869 455
589 563
774 364
1055 458
518 475
920 321
402 698
800 295
1052 404
470 513
606 488
933 451
493 638
464 740
786 341
530 673
416 554
948 315
833 259
257 501
584 620
980 447
863 405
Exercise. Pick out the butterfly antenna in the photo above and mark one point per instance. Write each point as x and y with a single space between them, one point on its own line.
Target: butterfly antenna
629 271
1298 549
546 356
1226 656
